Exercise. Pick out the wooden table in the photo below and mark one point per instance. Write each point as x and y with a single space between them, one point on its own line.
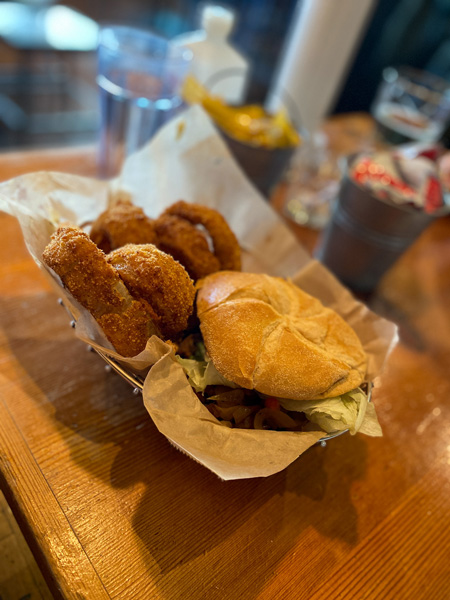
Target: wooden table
112 510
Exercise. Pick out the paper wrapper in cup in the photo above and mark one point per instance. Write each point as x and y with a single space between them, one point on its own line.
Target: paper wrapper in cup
189 160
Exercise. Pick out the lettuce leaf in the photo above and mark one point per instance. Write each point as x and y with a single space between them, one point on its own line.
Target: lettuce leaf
202 373
350 411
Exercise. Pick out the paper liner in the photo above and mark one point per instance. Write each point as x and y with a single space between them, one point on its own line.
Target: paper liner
188 160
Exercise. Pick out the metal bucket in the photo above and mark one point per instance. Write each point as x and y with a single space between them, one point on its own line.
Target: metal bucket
366 235
263 166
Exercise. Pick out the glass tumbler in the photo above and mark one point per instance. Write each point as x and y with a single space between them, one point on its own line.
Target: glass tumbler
411 106
312 184
139 77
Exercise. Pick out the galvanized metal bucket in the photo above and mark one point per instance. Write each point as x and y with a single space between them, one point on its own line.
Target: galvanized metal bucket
366 235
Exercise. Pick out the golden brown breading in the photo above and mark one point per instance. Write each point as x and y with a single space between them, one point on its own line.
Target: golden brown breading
129 331
187 244
225 244
159 279
83 270
122 224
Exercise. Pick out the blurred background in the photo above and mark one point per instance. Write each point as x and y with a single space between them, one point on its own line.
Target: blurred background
48 94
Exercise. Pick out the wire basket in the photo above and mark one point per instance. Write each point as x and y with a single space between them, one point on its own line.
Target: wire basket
137 381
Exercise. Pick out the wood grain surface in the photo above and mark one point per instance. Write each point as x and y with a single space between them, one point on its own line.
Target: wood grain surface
111 510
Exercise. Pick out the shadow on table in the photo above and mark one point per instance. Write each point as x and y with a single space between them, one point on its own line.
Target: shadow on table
230 529
237 532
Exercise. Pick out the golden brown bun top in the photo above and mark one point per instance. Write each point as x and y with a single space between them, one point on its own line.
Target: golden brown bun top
265 333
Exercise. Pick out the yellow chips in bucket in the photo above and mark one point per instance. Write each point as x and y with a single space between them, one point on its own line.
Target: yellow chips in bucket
250 124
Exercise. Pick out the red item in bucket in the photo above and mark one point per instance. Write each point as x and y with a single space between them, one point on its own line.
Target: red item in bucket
433 195
369 173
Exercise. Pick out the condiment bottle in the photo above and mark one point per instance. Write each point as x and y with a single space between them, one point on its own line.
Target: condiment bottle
216 64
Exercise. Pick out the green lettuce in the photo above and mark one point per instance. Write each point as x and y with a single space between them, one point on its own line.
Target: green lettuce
202 373
350 411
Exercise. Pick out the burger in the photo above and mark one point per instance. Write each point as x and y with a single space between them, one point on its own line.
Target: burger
268 355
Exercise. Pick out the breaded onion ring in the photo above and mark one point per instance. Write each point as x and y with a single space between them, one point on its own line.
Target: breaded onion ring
156 277
187 244
122 224
225 244
83 270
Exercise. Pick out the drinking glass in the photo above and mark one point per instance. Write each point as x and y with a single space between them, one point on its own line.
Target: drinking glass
139 77
411 106
312 183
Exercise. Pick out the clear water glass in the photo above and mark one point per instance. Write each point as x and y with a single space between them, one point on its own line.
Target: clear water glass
139 77
312 184
411 106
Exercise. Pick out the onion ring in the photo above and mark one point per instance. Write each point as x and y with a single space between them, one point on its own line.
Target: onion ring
187 244
123 223
82 268
225 244
154 276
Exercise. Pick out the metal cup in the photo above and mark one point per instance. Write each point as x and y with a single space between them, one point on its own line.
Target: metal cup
263 166
366 235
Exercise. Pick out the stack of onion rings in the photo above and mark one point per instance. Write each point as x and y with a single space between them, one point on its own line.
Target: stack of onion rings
198 237
133 292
